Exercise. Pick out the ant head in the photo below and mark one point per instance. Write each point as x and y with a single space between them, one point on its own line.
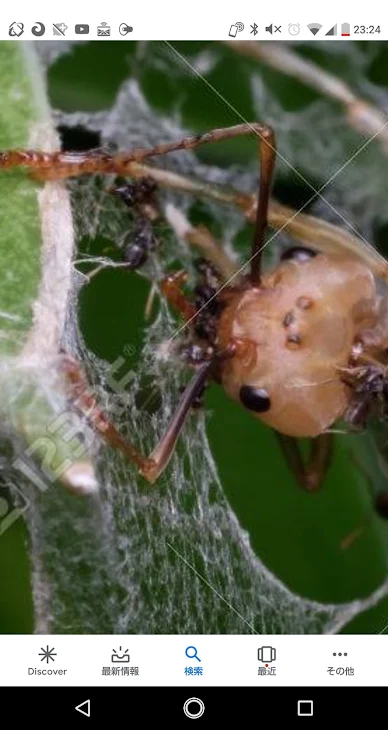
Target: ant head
291 335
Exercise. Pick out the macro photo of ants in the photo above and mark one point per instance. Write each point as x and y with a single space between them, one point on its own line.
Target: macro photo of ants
300 347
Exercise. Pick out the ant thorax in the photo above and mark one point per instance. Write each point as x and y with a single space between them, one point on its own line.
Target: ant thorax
292 334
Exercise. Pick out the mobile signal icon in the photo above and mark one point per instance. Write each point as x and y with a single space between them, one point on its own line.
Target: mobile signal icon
314 28
332 31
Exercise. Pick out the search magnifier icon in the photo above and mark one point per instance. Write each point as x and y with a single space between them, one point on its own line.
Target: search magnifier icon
192 653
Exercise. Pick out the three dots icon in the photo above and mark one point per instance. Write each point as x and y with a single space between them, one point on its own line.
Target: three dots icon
340 654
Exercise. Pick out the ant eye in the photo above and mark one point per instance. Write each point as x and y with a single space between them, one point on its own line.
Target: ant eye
298 253
256 399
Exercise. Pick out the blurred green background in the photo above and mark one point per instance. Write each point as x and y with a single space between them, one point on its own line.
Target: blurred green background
297 535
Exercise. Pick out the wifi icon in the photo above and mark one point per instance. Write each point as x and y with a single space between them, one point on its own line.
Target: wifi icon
314 28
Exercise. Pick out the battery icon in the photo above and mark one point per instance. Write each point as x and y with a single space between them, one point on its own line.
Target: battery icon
345 29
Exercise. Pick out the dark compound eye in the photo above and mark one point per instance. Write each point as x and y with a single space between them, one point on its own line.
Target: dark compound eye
298 253
255 399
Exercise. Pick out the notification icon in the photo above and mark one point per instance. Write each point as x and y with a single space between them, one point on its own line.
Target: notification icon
15 30
125 29
82 29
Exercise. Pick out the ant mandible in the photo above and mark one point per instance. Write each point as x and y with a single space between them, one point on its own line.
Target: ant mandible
300 347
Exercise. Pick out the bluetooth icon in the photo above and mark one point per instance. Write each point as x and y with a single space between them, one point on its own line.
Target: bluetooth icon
254 28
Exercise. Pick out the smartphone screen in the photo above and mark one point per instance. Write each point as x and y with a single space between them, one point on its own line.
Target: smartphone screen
193 361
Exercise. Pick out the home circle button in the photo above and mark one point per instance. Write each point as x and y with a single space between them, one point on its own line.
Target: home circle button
193 708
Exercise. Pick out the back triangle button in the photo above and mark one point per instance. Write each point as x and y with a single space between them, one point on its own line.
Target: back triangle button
84 708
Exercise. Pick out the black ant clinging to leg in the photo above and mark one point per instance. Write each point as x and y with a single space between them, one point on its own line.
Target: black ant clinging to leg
140 199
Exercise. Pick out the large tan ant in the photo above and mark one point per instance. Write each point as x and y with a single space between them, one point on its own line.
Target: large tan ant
301 347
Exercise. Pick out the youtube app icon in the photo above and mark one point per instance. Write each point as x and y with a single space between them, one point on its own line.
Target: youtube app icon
82 29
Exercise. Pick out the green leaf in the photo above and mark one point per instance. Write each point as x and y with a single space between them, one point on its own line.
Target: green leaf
22 105
33 395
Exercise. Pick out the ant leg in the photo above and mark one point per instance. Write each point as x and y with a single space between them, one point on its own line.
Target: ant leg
150 467
201 238
54 165
310 475
171 288
267 155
